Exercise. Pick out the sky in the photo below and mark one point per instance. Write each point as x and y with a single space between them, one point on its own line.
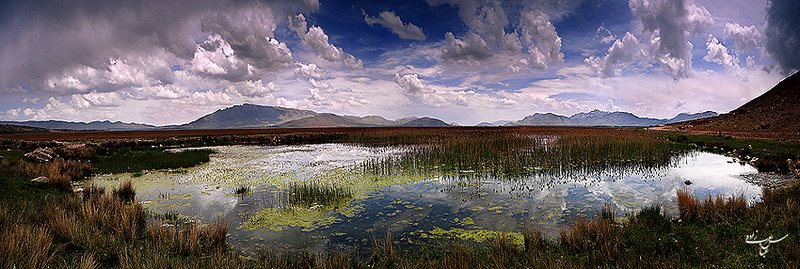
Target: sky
465 61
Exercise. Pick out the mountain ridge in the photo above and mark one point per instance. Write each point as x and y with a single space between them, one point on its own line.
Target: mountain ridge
245 116
603 118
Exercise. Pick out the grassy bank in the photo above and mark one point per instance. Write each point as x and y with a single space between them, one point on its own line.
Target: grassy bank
771 154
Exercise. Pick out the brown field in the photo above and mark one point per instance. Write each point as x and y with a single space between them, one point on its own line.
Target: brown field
282 132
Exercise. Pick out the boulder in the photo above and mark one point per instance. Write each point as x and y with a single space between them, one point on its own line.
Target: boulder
41 155
41 180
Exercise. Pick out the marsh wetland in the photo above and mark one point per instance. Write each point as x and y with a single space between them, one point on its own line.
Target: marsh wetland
396 198
338 196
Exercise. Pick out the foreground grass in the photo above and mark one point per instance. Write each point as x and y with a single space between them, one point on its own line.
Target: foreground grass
44 227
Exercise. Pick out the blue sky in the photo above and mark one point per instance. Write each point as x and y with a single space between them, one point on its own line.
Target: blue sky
464 61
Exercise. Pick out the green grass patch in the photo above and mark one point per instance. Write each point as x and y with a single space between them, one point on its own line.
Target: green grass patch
126 161
11 154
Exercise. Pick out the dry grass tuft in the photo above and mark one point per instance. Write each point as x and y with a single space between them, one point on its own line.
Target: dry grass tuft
534 242
24 246
60 172
125 191
600 236
712 209
188 238
384 252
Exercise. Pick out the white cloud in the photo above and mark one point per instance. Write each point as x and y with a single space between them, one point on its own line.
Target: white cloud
352 62
95 99
251 89
669 24
308 70
410 83
539 34
316 39
249 32
745 37
622 52
390 20
718 53
215 57
469 50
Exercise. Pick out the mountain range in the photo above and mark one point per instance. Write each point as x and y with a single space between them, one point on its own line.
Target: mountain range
598 118
257 116
81 126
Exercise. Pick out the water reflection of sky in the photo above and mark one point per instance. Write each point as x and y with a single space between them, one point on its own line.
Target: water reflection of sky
415 208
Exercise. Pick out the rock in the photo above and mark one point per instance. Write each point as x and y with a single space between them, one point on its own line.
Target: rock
41 180
687 182
41 155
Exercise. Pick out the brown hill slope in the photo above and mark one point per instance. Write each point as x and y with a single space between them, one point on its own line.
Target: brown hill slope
776 111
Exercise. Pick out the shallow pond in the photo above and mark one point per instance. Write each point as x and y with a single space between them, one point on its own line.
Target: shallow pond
418 209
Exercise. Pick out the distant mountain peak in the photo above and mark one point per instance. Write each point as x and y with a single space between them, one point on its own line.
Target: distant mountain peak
598 117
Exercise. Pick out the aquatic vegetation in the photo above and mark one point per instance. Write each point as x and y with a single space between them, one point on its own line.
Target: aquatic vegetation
136 160
478 236
594 153
277 219
242 190
312 193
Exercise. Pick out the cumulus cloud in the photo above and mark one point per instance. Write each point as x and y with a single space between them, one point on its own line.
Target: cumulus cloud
783 35
623 52
95 99
316 39
54 37
410 83
438 96
472 48
216 58
111 74
324 94
539 34
250 34
718 53
251 89
670 23
390 20
352 62
533 44
745 37
308 70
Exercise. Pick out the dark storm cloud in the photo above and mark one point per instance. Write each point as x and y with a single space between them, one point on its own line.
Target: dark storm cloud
41 38
783 33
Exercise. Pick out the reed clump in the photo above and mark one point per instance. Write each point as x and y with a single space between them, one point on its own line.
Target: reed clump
310 193
600 237
711 209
